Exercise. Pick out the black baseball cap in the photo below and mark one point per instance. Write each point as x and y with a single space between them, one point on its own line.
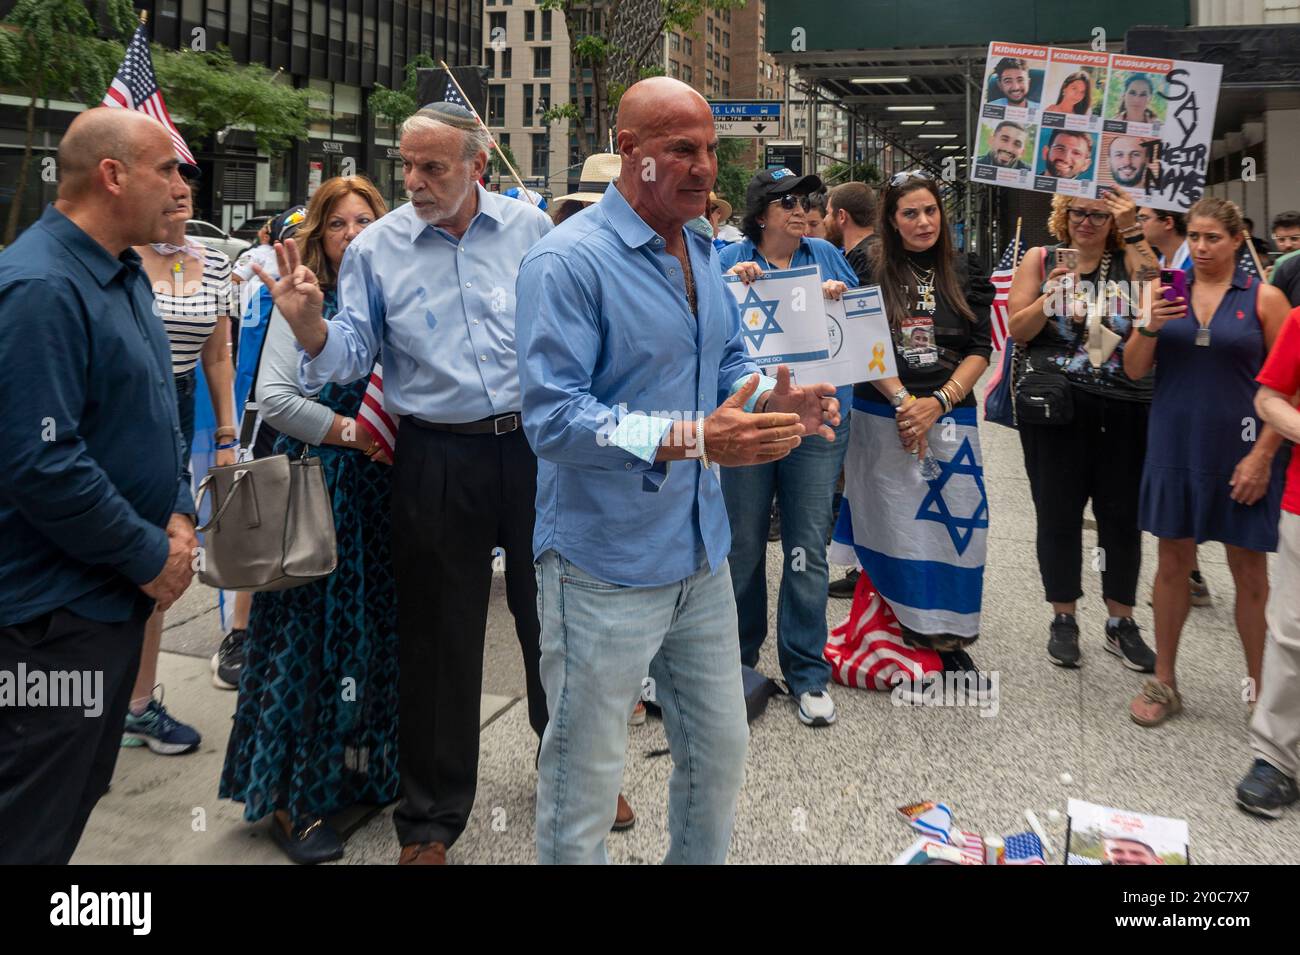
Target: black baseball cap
770 183
287 222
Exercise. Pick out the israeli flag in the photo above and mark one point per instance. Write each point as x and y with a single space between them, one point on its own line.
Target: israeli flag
922 542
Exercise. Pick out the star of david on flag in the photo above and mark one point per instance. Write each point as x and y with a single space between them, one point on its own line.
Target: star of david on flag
759 318
935 506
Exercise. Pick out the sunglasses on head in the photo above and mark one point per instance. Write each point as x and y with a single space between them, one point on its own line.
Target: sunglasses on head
899 178
789 201
1096 218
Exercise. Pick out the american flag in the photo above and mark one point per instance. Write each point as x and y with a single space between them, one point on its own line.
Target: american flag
1024 848
867 649
452 95
135 87
1001 279
372 416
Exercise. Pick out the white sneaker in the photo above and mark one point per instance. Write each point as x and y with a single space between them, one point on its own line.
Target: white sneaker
816 708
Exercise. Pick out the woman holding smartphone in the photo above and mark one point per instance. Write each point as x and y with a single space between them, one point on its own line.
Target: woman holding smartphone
1212 471
1094 453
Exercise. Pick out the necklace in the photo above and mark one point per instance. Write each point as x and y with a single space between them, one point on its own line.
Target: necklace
924 287
689 275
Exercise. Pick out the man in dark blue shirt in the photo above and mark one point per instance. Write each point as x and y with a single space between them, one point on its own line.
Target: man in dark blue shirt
95 519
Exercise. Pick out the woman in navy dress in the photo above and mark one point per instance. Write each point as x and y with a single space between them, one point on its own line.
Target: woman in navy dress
1212 471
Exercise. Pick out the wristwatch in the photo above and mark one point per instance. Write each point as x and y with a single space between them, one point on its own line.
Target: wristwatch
899 397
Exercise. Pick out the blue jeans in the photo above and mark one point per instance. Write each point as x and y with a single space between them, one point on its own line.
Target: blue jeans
186 385
804 483
599 642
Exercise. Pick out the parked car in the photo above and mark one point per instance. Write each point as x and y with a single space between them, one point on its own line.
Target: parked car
215 238
248 231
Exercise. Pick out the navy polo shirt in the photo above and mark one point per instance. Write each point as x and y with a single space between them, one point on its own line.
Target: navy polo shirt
92 446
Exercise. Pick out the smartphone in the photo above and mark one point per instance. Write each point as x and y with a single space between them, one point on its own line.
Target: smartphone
1069 258
1174 284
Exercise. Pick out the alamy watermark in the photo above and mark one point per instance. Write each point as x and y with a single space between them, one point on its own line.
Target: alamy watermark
77 689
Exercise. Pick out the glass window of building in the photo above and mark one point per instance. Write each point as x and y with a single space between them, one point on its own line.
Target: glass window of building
217 15
300 26
336 29
261 16
530 25
726 40
496 104
674 42
546 24
541 154
687 41
507 61
528 106
541 61
385 43
239 18
347 110
319 99
496 27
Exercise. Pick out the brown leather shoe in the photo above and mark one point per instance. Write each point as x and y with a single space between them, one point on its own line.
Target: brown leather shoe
625 818
423 853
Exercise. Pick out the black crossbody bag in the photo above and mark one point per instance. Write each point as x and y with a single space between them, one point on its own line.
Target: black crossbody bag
1042 393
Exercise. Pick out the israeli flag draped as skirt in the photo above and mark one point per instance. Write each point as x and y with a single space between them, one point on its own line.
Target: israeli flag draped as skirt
923 543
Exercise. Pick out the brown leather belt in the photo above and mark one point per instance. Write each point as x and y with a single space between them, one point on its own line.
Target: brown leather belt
499 425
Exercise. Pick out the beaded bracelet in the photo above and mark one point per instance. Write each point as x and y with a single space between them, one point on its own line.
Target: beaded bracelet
227 445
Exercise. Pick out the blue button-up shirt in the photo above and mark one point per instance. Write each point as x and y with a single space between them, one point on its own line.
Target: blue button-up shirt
609 355
443 309
92 445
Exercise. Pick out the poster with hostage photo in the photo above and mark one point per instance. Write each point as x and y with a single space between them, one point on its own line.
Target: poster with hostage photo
1075 79
1066 161
1147 131
1004 151
1013 82
1131 163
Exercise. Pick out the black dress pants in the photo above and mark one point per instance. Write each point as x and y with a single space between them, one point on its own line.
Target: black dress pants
1098 456
456 498
56 761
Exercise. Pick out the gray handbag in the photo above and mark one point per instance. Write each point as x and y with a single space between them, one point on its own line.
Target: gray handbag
272 525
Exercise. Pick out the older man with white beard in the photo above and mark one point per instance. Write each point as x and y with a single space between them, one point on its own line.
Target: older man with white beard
433 283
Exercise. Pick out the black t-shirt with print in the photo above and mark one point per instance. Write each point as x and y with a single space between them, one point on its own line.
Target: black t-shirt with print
932 340
858 258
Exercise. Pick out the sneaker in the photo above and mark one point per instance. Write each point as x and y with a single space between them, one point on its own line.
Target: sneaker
1125 641
816 708
1063 645
228 661
977 686
159 730
843 588
1266 790
638 715
1200 590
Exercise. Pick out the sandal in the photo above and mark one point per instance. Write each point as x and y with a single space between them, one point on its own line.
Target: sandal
1155 704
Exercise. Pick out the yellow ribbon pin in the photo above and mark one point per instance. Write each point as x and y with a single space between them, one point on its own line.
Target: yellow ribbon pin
877 358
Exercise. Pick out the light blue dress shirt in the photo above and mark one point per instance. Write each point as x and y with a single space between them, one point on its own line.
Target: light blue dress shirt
609 355
442 308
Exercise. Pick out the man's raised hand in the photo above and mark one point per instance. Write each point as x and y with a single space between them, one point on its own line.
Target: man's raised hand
816 405
298 296
734 437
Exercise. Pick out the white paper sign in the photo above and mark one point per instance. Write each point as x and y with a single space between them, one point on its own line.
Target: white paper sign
783 317
861 346
1074 122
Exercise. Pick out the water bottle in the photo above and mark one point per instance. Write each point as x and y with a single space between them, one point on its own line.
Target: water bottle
929 466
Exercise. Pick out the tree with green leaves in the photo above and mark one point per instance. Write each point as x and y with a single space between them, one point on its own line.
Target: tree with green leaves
595 50
733 172
207 92
52 48
396 106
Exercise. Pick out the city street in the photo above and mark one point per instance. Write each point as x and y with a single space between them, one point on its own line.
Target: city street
811 796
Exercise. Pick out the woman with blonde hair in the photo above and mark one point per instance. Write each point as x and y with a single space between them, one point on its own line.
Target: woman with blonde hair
1082 418
1212 470
315 728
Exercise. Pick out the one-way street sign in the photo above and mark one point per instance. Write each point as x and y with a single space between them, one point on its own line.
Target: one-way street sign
747 118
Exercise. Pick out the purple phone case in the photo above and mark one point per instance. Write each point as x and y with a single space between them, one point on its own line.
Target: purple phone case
1177 285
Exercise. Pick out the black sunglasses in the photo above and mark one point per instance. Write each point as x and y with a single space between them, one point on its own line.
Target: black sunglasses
789 201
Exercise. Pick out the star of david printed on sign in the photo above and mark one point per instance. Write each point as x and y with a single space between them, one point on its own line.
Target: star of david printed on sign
758 318
935 507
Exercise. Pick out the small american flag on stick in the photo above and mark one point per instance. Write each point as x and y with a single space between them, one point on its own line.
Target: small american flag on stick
372 416
135 87
1001 279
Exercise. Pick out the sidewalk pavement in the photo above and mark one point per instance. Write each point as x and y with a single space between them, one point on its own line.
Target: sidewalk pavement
826 795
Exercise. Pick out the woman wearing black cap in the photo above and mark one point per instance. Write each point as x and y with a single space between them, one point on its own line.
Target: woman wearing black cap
191 286
774 224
